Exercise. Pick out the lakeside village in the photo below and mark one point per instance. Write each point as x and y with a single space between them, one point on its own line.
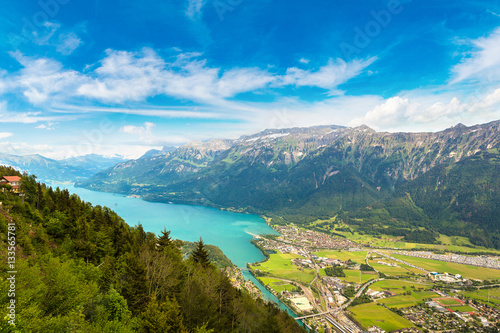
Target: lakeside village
336 282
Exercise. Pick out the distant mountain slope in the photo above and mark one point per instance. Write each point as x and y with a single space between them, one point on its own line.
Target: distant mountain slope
71 169
468 191
304 173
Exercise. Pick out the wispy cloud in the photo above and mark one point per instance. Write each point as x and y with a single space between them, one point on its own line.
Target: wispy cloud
163 112
68 43
41 78
22 148
65 41
4 135
328 77
483 62
135 76
493 13
7 116
48 126
194 8
144 134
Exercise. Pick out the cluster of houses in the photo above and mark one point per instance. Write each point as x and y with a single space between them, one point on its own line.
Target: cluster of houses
312 239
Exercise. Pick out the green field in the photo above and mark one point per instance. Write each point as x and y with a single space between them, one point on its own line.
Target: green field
418 292
277 285
352 275
462 308
448 301
471 272
357 256
372 314
398 286
482 295
411 269
280 265
405 301
389 270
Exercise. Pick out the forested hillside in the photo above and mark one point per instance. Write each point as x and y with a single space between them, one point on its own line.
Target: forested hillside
81 268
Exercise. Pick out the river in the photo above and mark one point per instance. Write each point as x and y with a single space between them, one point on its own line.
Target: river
231 232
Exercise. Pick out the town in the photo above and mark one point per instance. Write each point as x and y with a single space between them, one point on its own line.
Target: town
335 284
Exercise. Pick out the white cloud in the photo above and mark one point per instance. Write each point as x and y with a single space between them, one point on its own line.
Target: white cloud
194 8
4 135
388 114
327 77
483 63
22 148
135 76
68 43
43 35
440 110
48 126
7 116
426 112
143 133
51 34
490 100
125 76
42 78
304 60
164 112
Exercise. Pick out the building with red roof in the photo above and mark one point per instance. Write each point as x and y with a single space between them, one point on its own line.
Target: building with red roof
14 181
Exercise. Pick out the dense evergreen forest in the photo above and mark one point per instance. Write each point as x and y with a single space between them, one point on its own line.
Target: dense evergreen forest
81 268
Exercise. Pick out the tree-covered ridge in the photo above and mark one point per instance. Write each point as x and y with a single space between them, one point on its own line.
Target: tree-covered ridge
215 254
81 268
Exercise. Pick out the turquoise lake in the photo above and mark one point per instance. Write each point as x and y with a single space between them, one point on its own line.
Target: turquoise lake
231 232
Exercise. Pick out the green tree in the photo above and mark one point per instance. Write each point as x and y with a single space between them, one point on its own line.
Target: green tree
165 241
116 306
162 317
135 286
200 254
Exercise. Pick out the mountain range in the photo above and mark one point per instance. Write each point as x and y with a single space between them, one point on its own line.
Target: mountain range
445 181
67 170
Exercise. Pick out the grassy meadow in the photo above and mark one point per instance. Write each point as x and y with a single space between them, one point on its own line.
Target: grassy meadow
280 265
372 314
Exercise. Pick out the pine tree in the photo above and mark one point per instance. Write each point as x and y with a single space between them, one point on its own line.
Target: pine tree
135 287
165 241
200 254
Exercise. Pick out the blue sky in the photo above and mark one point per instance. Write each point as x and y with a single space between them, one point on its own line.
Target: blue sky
122 76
